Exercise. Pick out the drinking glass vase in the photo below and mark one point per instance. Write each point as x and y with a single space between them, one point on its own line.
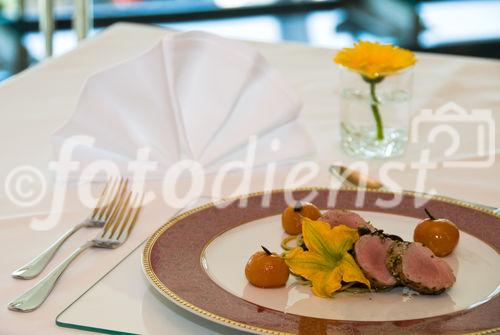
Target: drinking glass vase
375 114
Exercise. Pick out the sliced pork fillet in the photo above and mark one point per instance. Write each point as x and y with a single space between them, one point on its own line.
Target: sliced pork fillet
371 253
419 269
336 217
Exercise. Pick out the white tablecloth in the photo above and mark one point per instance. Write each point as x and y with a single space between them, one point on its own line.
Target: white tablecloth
36 102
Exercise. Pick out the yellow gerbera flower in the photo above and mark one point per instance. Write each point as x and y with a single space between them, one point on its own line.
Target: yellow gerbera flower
327 262
374 60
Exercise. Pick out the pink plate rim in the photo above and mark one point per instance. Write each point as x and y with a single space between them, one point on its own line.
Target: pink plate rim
171 262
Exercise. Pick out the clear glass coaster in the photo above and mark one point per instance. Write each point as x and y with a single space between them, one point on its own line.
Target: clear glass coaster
123 302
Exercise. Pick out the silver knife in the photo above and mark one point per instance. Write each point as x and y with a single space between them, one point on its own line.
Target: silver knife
357 179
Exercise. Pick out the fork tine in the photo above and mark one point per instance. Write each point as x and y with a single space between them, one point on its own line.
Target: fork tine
116 196
136 215
100 199
117 204
108 198
119 219
127 217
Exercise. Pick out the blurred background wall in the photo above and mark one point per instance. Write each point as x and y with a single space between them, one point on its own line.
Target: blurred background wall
461 27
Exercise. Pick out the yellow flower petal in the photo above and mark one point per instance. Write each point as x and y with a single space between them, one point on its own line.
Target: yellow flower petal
351 271
327 283
314 233
375 60
320 271
327 262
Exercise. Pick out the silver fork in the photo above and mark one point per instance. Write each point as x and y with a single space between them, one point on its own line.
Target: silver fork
96 219
124 213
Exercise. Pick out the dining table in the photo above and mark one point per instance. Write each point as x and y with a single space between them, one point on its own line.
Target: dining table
39 100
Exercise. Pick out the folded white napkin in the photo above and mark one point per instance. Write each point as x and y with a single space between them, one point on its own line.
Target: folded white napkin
192 96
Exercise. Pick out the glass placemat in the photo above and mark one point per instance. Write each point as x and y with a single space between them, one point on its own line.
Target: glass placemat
123 302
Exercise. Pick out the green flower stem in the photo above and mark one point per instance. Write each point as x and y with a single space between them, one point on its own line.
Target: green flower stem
376 113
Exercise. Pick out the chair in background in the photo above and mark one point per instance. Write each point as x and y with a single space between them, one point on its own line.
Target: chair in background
82 21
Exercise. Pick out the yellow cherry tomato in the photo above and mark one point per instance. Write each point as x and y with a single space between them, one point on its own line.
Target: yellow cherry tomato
291 219
439 235
266 270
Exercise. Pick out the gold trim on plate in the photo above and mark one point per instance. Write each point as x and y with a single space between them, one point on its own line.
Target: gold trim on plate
167 293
